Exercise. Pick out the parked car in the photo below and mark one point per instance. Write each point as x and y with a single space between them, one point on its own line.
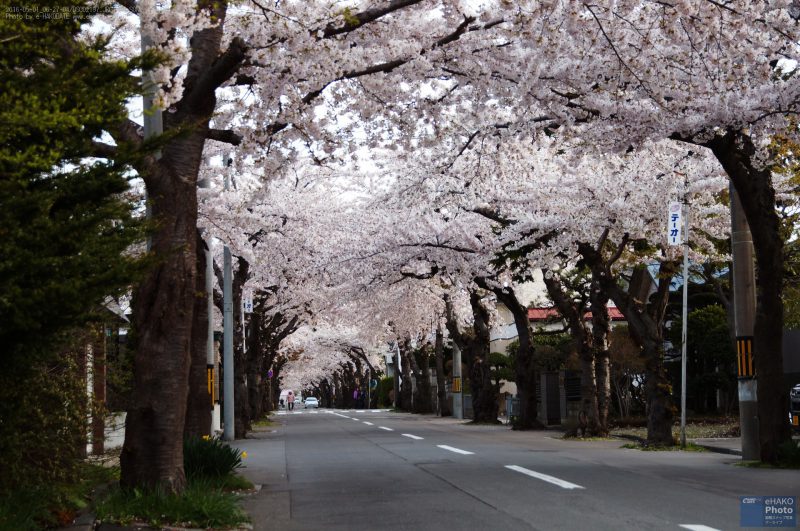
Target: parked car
311 402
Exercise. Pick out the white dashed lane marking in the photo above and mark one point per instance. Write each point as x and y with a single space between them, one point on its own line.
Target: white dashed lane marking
368 423
385 428
544 477
416 438
455 450
698 527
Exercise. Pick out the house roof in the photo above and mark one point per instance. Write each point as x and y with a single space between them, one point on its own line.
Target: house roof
547 314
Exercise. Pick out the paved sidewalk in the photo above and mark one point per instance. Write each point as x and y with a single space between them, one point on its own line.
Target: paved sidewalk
726 445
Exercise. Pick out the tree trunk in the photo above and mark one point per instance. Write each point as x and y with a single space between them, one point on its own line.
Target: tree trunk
573 313
484 395
524 363
424 384
152 454
646 324
601 328
406 389
735 152
443 408
199 405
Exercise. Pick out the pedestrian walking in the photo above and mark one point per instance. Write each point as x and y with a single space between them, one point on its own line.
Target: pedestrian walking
290 399
355 397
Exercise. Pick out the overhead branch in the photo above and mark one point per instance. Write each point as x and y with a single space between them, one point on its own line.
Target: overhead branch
224 135
494 215
440 246
103 151
353 74
353 21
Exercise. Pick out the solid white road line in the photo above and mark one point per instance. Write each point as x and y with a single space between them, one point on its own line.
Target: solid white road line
412 436
698 527
385 428
368 423
456 450
544 477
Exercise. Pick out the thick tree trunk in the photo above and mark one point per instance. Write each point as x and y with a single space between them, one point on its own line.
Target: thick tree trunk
424 384
443 408
601 328
646 323
406 388
484 395
524 363
646 326
573 313
164 301
199 406
735 152
152 454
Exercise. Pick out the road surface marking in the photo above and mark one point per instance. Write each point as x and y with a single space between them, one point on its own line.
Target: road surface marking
355 419
456 450
412 436
385 428
340 415
698 527
368 423
359 411
378 410
544 477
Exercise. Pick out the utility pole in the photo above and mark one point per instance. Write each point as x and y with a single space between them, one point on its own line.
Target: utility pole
211 362
227 320
744 309
458 403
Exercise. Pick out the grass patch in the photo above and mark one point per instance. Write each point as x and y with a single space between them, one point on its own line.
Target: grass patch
699 429
54 505
690 447
201 505
788 457
587 439
231 482
264 423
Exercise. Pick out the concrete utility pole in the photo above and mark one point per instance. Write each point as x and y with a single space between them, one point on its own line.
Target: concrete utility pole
227 320
458 402
744 307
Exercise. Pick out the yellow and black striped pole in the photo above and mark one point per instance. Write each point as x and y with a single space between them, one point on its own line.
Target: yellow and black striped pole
744 357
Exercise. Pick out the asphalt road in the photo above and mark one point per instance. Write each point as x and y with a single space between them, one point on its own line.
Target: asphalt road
369 470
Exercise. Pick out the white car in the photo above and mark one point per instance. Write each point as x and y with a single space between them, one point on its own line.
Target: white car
311 402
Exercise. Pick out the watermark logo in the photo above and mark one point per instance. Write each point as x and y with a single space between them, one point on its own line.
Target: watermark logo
768 511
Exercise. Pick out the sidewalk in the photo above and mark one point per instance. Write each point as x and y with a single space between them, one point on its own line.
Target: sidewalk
726 445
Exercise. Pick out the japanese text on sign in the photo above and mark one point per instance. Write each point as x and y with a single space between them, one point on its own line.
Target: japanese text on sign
674 224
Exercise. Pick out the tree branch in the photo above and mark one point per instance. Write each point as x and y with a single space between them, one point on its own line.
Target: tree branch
102 150
223 69
356 20
224 135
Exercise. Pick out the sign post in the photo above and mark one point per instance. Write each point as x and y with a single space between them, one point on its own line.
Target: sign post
676 215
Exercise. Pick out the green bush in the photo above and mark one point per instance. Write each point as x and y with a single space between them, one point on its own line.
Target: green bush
385 385
209 458
200 505
789 454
